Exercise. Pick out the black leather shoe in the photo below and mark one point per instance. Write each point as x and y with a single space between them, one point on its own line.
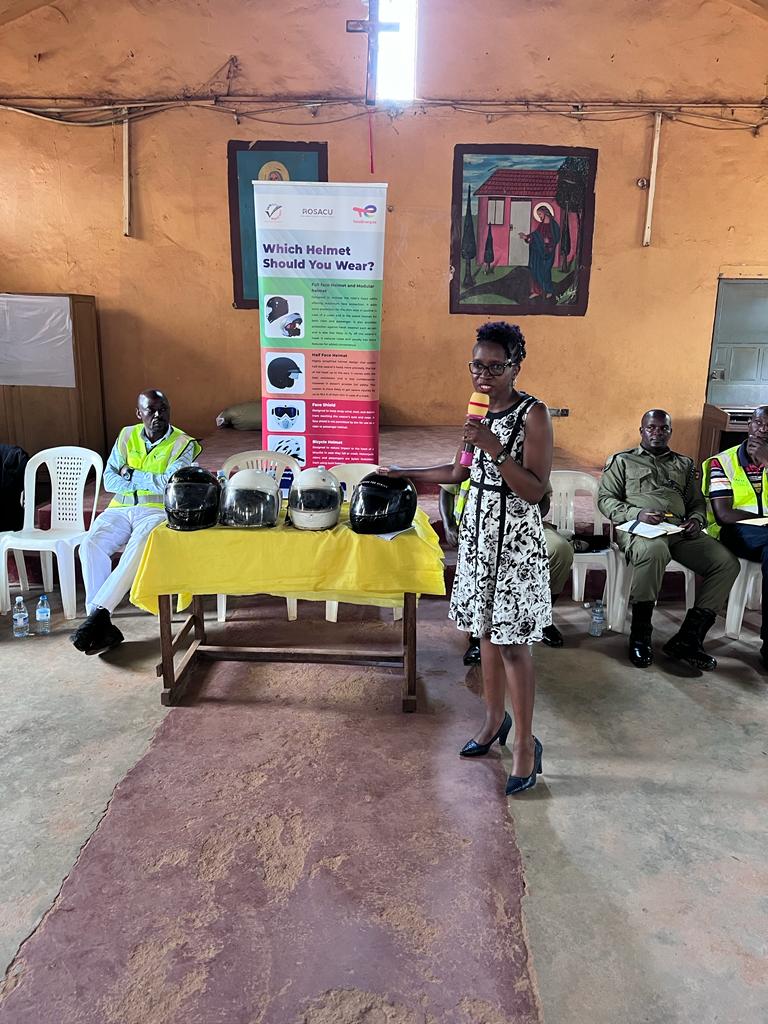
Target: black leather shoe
552 636
640 650
474 749
472 654
105 641
91 629
518 783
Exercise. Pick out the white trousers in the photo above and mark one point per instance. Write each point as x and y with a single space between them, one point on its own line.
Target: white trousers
113 529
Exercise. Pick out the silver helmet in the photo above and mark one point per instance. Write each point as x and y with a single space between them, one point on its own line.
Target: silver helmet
250 498
314 500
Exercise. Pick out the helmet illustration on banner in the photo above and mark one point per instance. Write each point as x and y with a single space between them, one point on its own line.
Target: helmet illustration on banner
277 306
250 499
192 499
283 372
290 325
314 501
289 446
285 416
382 504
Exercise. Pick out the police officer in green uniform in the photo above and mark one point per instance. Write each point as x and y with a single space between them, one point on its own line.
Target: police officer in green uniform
652 484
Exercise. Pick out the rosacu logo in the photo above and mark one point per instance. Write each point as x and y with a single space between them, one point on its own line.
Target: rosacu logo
274 211
317 211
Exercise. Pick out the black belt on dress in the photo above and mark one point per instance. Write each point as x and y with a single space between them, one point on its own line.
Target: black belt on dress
487 487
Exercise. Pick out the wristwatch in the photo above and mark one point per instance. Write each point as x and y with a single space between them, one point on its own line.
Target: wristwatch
501 458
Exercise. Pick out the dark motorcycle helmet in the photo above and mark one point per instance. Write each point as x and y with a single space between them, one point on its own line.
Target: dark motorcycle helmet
282 372
192 499
382 504
277 307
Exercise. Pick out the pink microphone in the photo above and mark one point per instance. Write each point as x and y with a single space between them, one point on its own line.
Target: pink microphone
477 408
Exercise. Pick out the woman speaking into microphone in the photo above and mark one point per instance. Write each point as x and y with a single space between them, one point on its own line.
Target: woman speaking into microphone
501 592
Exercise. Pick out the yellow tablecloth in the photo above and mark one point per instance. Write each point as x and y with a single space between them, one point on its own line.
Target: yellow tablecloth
327 565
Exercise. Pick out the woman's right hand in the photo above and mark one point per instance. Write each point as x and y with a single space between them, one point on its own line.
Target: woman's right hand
391 471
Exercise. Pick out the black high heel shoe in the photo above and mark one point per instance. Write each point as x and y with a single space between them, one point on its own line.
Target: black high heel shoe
519 783
474 749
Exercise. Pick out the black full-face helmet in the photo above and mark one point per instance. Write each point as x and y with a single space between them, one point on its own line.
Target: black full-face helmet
277 306
382 504
192 499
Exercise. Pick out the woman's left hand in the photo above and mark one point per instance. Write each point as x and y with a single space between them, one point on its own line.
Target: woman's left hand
478 434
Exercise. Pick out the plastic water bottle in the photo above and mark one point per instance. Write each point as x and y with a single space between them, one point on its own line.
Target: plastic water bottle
597 625
43 617
20 619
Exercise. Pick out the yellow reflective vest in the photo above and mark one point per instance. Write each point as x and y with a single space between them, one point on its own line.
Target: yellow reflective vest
744 495
133 450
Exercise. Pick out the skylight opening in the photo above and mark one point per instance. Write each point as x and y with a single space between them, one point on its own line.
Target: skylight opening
396 65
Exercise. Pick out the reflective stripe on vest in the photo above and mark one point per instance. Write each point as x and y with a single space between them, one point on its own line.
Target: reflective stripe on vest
744 495
133 450
460 500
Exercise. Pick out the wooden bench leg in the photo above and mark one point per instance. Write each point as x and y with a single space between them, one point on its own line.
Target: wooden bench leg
409 652
198 612
166 649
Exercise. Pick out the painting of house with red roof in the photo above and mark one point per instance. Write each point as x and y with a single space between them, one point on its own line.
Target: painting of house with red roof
521 232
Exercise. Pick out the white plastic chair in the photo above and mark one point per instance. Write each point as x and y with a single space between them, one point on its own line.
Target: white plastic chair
349 476
566 484
623 585
69 468
276 464
748 583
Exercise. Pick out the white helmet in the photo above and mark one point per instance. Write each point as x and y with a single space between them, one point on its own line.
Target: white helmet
250 498
314 500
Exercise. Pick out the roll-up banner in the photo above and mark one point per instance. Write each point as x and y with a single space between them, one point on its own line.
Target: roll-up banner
321 267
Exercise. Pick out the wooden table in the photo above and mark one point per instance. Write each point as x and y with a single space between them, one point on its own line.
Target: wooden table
328 565
175 676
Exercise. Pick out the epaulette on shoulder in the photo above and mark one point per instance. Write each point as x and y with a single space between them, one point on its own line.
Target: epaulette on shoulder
612 458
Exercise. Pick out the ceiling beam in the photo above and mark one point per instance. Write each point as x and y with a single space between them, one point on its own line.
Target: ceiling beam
10 10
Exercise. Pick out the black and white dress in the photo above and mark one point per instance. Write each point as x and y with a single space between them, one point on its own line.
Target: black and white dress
502 574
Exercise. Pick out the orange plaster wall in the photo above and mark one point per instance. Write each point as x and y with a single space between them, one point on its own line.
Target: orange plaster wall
165 296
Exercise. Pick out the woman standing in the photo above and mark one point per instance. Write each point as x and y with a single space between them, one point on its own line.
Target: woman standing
501 592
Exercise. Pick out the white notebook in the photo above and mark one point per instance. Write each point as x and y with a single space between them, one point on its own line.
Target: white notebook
638 529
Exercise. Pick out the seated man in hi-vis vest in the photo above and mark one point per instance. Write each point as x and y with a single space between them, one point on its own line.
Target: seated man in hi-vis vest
139 466
736 488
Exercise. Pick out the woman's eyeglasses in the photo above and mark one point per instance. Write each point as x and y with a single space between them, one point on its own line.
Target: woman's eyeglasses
495 369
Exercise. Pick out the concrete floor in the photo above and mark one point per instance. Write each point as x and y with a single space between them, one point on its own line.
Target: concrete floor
644 845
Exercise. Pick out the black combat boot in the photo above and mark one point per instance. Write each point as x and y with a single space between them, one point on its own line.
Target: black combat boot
687 644
640 650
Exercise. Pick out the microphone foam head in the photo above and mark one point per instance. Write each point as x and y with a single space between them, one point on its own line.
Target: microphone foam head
478 404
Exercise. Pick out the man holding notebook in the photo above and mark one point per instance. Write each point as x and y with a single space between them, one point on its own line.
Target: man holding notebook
735 484
652 496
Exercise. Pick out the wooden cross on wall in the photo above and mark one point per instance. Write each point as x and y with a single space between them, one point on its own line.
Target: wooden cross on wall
372 26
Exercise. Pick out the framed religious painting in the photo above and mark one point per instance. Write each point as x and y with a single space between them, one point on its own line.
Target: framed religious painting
262 161
522 219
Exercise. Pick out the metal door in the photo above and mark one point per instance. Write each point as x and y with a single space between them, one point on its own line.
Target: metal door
738 366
